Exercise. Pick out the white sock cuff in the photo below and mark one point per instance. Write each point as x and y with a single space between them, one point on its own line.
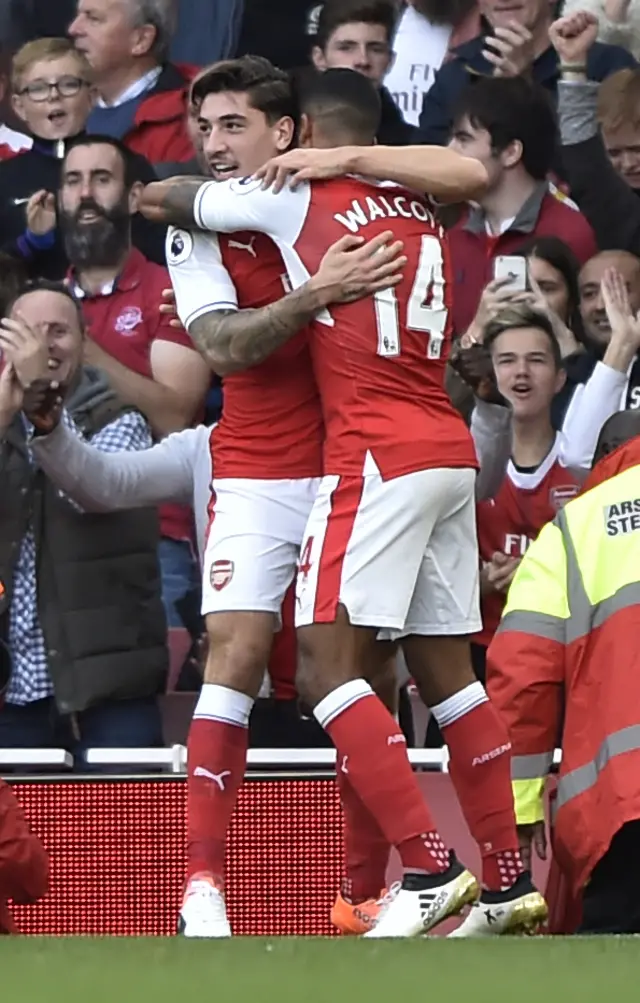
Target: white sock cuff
459 704
340 700
218 703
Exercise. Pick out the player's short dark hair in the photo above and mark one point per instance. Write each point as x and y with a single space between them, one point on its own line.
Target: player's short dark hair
336 13
512 108
522 315
268 89
46 286
129 160
345 101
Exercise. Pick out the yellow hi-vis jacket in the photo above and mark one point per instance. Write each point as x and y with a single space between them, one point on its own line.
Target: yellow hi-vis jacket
564 669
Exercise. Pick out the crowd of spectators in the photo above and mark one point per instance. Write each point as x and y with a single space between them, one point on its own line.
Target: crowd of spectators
97 103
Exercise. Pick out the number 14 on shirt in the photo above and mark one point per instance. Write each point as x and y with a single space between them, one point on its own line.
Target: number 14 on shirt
426 309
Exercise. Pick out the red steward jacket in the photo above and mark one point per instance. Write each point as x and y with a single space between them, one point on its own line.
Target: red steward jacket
160 132
24 864
473 251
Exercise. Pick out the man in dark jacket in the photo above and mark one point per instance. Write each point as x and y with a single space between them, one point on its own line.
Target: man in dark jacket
358 35
142 98
517 43
80 605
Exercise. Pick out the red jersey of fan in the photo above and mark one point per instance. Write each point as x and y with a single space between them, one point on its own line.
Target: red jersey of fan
379 363
508 523
271 426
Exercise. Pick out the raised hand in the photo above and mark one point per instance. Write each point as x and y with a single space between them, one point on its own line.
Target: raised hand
26 349
624 324
572 36
41 213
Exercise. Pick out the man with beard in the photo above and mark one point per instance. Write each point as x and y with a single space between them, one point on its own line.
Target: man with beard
606 379
427 35
149 363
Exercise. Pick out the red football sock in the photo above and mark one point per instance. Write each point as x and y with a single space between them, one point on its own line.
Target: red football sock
372 750
365 847
480 769
217 756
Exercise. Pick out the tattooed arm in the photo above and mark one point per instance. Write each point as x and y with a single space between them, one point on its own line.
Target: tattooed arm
172 201
232 340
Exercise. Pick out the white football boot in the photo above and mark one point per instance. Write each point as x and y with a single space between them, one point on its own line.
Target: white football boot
422 901
204 911
520 910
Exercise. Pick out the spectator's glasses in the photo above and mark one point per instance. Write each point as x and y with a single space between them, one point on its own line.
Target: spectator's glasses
42 90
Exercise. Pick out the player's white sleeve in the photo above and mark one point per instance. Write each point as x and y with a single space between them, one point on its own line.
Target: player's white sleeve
200 281
242 204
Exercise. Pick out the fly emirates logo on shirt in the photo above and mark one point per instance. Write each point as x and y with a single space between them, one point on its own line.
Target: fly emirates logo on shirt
516 544
366 210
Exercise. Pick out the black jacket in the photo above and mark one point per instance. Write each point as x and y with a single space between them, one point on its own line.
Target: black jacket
39 168
99 595
439 103
393 131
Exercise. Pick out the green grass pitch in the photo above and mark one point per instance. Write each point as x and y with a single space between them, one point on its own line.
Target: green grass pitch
264 970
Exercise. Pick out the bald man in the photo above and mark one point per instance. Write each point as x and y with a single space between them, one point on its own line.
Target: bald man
606 379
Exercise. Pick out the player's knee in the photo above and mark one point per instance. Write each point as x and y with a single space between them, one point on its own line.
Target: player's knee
238 653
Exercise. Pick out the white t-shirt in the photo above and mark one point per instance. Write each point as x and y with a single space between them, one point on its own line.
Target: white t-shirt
420 49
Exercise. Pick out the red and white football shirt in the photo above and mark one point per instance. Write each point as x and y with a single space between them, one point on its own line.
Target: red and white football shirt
271 426
508 523
379 363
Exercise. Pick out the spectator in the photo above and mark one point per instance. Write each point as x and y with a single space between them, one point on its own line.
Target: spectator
428 33
358 35
619 119
24 864
609 378
80 608
618 20
552 270
518 43
509 125
52 93
142 98
606 199
537 484
150 364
